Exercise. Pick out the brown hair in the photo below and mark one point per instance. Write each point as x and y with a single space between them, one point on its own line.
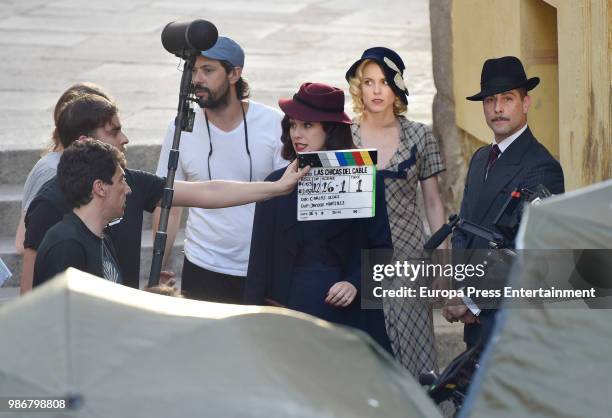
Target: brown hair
399 107
82 116
243 90
337 136
73 92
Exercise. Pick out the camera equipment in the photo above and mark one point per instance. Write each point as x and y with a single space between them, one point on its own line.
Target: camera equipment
185 40
454 382
509 218
495 239
506 222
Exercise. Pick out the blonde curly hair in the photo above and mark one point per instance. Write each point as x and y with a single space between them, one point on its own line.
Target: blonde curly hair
399 107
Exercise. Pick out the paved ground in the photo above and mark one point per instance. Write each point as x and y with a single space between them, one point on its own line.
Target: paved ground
48 45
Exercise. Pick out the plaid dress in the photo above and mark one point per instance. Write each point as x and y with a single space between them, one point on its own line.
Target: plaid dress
409 321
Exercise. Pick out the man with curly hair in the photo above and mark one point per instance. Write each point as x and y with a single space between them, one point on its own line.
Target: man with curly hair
91 175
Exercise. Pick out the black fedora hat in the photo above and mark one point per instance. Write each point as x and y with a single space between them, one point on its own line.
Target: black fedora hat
503 74
391 64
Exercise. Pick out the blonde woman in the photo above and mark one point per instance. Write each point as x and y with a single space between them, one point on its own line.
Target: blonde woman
408 155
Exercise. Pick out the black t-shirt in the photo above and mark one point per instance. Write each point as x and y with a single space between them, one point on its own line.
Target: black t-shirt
70 243
50 205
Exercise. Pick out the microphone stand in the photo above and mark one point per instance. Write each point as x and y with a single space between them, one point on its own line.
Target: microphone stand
183 122
507 221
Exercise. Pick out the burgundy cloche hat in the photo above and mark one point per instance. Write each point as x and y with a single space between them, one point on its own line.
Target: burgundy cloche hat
316 102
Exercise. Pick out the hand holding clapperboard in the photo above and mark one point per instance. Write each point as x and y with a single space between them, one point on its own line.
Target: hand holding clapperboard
340 185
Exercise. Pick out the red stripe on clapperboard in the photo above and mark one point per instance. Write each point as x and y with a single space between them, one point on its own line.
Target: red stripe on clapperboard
357 157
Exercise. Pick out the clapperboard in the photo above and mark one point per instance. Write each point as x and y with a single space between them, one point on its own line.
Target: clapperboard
341 184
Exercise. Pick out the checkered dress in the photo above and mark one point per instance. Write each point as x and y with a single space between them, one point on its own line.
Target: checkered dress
409 321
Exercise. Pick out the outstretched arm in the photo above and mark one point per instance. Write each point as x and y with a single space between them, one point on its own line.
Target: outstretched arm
221 193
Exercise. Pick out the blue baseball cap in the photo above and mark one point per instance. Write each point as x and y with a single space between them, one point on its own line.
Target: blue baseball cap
226 49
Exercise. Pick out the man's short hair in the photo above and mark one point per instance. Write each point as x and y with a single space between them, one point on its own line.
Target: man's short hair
82 164
82 116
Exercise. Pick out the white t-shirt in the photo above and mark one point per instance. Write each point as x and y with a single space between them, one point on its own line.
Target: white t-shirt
220 239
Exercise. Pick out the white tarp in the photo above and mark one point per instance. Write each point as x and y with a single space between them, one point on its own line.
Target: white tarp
128 353
554 360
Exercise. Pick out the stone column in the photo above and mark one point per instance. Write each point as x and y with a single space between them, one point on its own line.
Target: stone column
444 126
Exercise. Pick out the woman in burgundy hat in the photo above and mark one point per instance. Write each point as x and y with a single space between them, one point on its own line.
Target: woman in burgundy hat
314 266
408 156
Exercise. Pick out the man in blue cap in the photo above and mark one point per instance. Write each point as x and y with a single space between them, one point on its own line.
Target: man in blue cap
233 138
514 160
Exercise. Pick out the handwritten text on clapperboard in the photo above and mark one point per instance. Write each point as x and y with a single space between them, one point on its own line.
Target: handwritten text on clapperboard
337 191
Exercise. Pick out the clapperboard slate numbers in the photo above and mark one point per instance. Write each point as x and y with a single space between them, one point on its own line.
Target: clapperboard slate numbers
341 184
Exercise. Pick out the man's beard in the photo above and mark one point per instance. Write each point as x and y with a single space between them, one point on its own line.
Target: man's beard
211 102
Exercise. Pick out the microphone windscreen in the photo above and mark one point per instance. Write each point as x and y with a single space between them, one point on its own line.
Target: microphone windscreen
202 35
196 35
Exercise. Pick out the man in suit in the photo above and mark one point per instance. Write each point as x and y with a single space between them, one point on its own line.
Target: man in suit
514 160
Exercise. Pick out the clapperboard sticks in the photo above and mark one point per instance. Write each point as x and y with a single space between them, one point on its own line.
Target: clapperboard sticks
351 157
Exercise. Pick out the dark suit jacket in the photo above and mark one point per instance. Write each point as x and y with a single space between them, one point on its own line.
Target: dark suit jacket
524 164
277 239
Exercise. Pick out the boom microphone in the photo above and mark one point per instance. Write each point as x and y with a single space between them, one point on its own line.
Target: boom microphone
189 38
186 40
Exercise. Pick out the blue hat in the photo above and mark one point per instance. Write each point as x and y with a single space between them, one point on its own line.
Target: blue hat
391 64
226 49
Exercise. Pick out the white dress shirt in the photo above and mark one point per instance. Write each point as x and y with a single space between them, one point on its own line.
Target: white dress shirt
506 142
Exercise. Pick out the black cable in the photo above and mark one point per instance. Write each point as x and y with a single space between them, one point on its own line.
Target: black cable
246 143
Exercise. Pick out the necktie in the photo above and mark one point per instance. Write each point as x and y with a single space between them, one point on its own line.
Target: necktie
494 153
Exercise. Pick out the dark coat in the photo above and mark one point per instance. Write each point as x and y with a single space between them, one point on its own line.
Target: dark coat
524 164
277 239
